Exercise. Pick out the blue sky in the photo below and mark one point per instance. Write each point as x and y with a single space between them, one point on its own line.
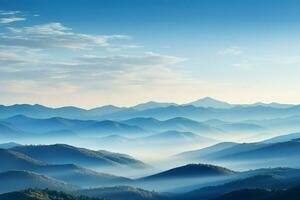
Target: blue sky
123 52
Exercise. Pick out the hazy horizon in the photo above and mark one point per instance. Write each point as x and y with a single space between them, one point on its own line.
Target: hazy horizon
148 101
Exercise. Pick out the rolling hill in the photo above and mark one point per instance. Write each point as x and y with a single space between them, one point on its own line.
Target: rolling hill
66 154
123 192
19 180
291 193
259 181
249 155
278 150
201 153
190 171
221 151
67 172
8 130
82 177
283 138
38 194
14 160
278 178
9 145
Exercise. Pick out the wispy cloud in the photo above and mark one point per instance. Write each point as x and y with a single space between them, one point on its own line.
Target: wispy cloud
55 35
7 17
243 65
234 50
7 20
147 59
9 12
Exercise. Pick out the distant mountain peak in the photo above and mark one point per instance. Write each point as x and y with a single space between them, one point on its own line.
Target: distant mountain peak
152 104
210 102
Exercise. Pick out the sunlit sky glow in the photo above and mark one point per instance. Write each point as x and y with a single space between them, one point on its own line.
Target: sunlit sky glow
124 52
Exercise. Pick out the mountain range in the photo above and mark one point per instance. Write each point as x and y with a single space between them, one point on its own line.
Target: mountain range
204 149
21 126
194 110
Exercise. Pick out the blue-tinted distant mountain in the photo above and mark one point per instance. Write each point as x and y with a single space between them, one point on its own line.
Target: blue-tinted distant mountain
146 123
250 155
283 138
235 149
115 139
185 124
15 160
214 122
176 137
8 130
58 134
9 145
221 151
152 104
105 110
242 128
210 102
283 172
170 112
123 192
39 111
239 112
200 153
25 109
40 125
65 154
19 180
178 124
108 127
56 126
284 150
190 171
283 124
273 104
70 173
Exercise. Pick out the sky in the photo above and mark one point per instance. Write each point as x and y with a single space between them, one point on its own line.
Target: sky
124 52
